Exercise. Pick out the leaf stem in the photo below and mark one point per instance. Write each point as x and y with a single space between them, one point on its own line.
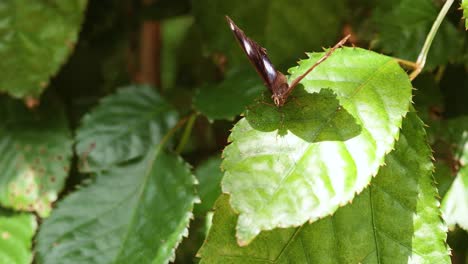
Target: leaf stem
174 129
421 61
186 134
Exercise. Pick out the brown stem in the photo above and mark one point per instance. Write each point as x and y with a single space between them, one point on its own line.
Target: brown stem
150 52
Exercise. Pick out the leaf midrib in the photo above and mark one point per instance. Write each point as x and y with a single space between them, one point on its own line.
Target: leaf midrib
348 98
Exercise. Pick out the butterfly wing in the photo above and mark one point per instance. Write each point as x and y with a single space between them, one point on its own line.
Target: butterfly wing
256 54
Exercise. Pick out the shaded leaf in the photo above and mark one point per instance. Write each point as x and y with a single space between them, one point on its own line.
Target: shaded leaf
141 202
402 28
290 171
122 127
35 39
395 220
209 184
16 234
173 33
134 213
229 98
455 201
284 29
36 147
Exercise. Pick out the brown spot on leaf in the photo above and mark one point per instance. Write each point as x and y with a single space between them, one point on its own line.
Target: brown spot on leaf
31 102
6 235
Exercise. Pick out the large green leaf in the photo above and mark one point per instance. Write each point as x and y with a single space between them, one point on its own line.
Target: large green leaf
285 29
35 39
402 28
298 163
229 98
141 202
455 202
36 149
134 213
122 127
209 184
16 234
395 220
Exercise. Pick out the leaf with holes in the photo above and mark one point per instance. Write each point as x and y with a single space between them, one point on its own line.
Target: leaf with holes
229 98
455 201
122 127
298 163
16 235
35 39
36 151
285 29
395 220
402 28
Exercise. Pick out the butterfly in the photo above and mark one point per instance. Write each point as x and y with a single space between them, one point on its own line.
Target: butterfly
274 80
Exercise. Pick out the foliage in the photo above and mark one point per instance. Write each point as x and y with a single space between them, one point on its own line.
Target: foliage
138 132
16 233
40 34
362 231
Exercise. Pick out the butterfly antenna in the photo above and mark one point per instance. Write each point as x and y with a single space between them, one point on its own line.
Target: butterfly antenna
322 59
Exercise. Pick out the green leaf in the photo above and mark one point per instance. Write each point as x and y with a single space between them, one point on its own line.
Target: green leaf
455 201
35 39
134 213
209 184
122 127
16 235
285 29
36 149
229 98
395 220
464 6
173 33
298 163
402 28
141 202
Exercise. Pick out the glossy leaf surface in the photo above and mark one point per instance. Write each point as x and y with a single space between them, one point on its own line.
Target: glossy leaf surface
121 127
298 163
36 37
394 220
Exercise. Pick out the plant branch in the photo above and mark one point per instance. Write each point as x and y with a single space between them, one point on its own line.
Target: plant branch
421 61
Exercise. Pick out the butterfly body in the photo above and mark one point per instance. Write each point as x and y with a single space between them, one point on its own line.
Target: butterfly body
275 80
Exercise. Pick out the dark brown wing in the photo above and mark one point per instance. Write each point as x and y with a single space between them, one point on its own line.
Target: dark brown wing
256 54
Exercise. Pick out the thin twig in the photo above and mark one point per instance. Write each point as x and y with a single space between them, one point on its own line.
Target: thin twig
421 61
407 63
186 134
174 129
